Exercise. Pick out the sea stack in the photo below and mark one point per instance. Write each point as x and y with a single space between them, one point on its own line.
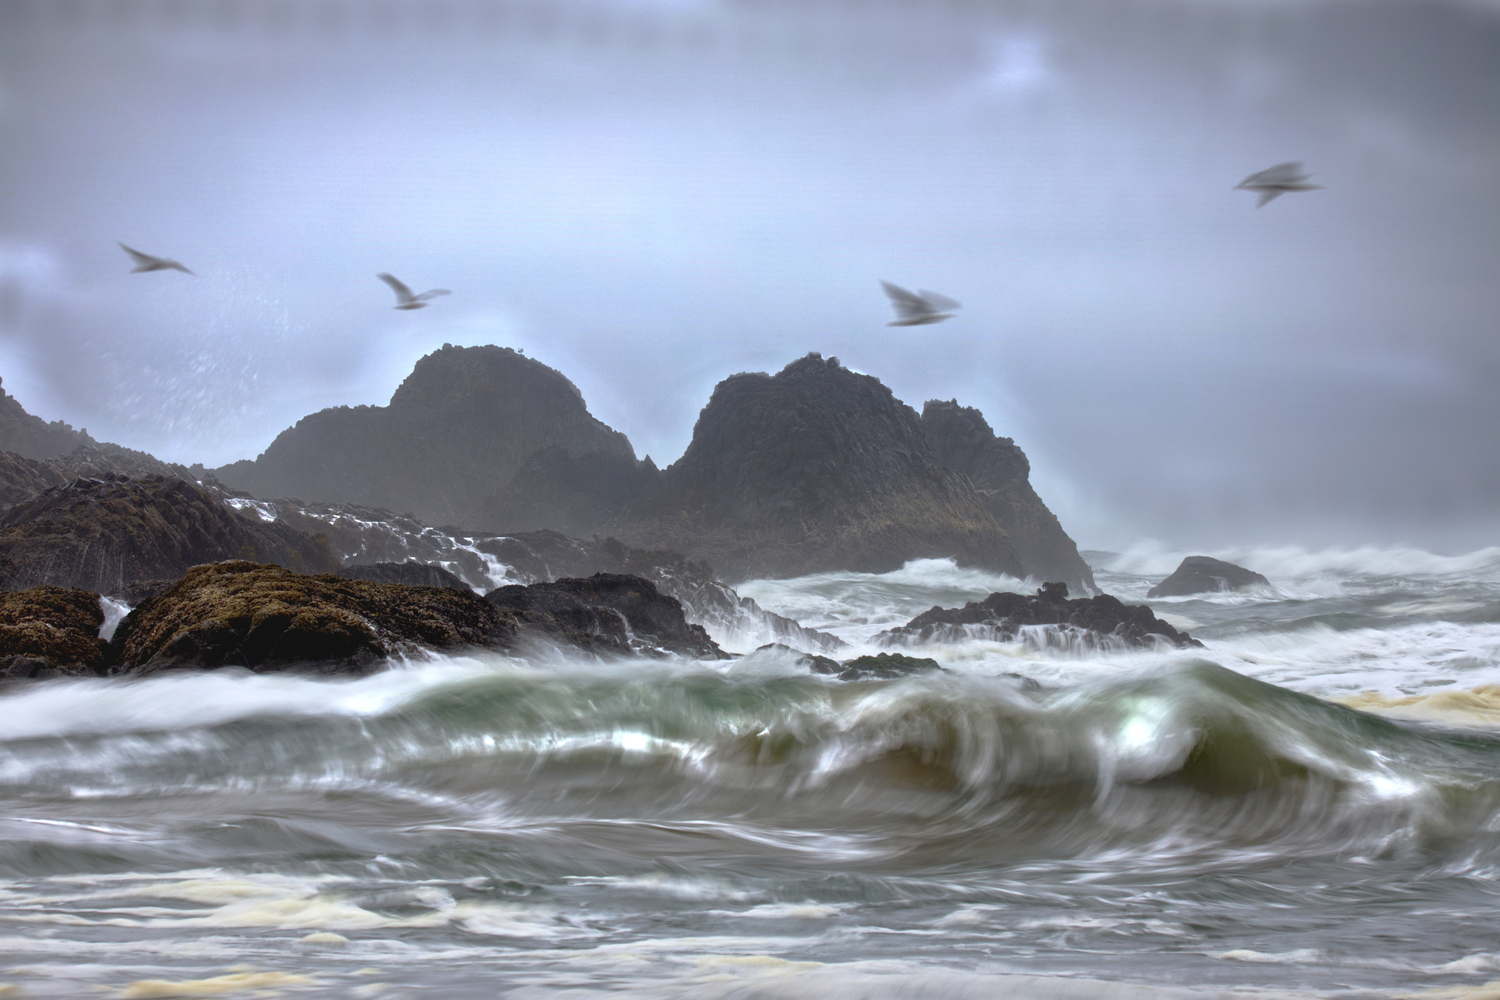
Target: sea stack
456 431
1205 575
812 469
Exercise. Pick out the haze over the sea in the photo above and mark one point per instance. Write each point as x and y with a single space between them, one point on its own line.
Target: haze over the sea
652 194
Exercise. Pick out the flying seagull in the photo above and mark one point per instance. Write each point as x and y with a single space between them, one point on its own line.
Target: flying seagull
405 299
918 308
146 262
1273 182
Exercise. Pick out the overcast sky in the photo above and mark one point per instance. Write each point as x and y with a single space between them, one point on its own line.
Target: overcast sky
650 195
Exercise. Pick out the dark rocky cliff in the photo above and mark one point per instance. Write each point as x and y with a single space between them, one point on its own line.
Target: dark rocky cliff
110 534
32 437
455 432
815 468
961 440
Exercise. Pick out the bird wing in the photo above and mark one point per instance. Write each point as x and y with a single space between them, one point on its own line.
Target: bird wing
137 256
939 301
403 294
1282 173
1269 194
433 294
908 304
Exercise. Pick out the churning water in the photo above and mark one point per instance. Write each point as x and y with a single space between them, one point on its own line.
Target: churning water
1309 806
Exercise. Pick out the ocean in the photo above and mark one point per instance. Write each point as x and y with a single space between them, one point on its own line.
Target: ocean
1308 806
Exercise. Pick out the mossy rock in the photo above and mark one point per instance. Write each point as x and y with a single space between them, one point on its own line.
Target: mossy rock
886 666
50 631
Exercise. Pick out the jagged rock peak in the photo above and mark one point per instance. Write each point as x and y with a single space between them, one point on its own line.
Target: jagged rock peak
814 468
962 440
457 430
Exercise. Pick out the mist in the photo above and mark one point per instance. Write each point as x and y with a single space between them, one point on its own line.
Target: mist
650 196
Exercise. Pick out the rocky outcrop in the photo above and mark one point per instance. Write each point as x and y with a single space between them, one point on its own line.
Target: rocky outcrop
457 430
961 440
1204 575
50 632
606 613
32 437
815 468
264 618
363 535
886 667
23 478
411 574
577 495
1098 622
106 534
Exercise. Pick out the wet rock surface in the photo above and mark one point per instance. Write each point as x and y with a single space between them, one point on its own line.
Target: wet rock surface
363 535
264 617
962 440
1206 575
885 666
604 613
108 533
1006 614
50 632
412 574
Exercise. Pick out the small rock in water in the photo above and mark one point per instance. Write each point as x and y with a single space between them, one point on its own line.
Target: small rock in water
1205 575
886 666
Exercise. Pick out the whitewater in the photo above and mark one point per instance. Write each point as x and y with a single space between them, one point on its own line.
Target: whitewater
1307 806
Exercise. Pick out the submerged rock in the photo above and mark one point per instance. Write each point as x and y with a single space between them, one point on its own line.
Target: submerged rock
605 613
264 617
886 666
50 631
1003 615
1204 575
109 533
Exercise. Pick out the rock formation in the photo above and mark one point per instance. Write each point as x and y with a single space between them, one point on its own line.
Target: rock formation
264 617
1203 575
32 437
1095 622
50 632
411 574
107 534
365 535
962 440
456 431
815 468
608 612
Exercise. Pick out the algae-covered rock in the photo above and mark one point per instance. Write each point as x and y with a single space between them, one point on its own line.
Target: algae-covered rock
50 631
886 666
264 617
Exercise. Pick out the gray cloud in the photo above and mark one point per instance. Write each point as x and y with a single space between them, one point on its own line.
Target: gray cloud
651 195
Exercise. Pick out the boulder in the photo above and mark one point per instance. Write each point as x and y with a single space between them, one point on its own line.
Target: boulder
108 533
457 430
961 440
886 666
815 468
605 613
264 617
1203 575
49 632
1004 614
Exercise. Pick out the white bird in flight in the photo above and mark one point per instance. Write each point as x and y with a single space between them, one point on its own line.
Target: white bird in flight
1273 182
146 262
404 298
918 308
